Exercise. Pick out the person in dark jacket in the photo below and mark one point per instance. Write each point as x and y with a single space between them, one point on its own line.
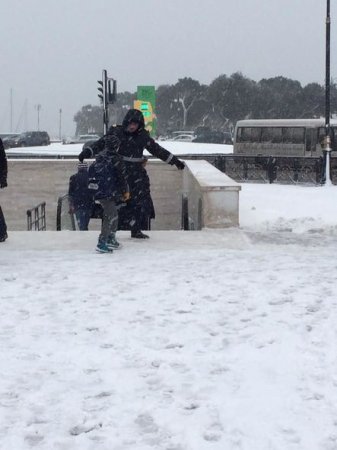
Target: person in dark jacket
3 184
133 140
107 180
81 199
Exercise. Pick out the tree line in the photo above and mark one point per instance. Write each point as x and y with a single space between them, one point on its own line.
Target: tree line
188 104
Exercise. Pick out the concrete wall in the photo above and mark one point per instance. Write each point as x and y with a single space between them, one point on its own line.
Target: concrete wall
213 197
33 181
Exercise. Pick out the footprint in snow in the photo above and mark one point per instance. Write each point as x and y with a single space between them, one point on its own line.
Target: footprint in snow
33 439
214 433
174 345
84 428
290 435
146 423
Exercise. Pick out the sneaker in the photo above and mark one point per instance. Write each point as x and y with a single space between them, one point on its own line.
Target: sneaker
4 237
113 243
102 247
139 235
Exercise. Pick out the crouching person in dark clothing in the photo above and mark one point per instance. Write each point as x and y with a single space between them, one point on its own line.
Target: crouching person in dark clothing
134 139
81 198
107 180
3 184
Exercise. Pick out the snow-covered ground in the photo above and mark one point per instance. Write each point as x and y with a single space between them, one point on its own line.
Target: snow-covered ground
219 339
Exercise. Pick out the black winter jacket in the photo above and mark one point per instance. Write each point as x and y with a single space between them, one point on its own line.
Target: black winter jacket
107 176
131 145
80 196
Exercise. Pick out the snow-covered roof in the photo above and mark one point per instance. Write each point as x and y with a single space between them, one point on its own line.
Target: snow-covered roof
284 123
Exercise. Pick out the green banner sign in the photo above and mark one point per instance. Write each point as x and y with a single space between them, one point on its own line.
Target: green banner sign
146 102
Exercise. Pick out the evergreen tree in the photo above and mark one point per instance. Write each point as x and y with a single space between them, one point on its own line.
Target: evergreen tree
89 120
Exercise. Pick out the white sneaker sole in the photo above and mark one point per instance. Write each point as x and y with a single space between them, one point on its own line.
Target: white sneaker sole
103 251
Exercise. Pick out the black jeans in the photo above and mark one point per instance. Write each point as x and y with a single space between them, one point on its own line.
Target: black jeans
3 226
110 219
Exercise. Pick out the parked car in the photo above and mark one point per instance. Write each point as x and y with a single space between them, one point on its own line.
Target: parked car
9 139
90 141
173 134
82 138
211 137
6 135
184 137
30 139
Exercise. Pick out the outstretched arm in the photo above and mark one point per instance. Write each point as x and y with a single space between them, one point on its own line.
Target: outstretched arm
110 142
160 152
92 150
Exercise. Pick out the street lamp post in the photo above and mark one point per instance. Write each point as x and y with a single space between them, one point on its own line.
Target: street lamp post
38 108
60 124
327 140
11 105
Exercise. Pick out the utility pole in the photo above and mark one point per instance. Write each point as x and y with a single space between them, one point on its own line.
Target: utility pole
327 140
327 68
25 116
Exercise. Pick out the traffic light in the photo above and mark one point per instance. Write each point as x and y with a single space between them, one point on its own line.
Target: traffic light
107 89
101 90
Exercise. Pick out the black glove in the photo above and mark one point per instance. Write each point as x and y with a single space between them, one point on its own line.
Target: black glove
3 183
85 153
179 164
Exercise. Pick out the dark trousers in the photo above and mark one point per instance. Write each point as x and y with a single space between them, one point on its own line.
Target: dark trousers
83 218
3 226
110 219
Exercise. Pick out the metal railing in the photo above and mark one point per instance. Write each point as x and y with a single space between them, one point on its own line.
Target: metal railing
36 218
288 170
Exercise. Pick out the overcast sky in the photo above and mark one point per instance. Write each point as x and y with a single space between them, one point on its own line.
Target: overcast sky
53 51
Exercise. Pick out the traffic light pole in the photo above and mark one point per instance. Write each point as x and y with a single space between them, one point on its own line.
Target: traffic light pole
108 94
